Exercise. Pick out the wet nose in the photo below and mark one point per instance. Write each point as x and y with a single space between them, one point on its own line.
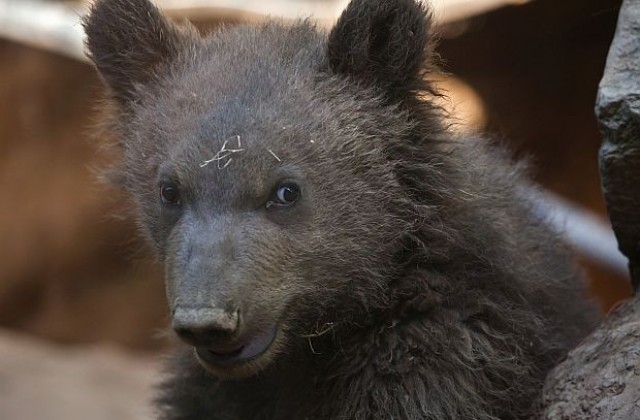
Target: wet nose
204 326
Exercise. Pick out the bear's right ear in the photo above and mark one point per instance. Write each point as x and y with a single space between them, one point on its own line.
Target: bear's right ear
128 39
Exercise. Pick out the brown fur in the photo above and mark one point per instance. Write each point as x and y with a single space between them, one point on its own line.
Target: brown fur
410 280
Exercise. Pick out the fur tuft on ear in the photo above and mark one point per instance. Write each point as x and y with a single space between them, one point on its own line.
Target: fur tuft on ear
128 39
383 43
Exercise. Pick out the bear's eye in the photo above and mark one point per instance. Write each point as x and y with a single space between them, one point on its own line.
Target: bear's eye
169 194
286 194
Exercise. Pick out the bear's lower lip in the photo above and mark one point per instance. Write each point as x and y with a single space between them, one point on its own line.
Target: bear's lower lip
249 351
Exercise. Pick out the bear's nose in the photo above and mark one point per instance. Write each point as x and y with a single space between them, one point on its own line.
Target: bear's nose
205 326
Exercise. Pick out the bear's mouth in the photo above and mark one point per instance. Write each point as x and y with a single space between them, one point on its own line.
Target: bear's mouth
250 350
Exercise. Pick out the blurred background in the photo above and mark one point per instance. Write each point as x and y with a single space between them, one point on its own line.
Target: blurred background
82 310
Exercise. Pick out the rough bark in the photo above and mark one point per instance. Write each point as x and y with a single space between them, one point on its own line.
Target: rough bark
600 379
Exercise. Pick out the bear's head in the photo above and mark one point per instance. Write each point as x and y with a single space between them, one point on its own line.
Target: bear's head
272 166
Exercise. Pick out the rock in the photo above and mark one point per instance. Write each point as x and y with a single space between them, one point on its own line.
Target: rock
601 377
618 111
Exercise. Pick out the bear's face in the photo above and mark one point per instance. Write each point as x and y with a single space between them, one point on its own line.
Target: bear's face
258 158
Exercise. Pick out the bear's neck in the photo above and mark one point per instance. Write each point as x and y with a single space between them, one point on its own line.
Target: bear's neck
298 387
332 365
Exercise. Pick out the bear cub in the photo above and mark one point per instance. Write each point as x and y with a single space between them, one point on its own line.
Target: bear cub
332 250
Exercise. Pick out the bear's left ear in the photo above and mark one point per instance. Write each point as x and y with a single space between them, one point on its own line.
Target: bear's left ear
383 43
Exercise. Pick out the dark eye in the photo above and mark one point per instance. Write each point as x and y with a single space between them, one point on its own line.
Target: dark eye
286 194
169 194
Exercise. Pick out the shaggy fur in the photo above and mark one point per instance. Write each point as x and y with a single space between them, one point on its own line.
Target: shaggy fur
411 280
